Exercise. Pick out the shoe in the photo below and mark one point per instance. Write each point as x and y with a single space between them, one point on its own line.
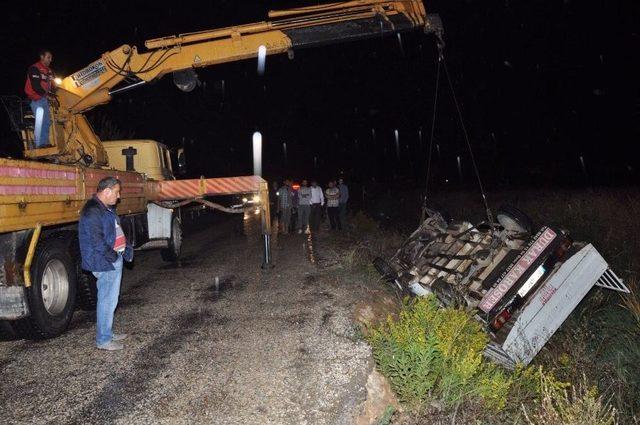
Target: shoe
111 346
119 337
299 231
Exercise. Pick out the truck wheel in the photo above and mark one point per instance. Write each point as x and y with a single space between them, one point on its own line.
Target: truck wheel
6 331
514 220
52 294
87 290
172 252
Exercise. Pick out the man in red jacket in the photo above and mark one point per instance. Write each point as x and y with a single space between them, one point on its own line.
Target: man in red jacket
38 87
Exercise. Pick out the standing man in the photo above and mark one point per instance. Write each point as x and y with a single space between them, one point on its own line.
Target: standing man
317 201
38 87
304 207
285 204
103 246
333 206
344 198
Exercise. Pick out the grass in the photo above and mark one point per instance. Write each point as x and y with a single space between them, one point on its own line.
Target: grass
430 352
581 405
435 354
597 350
631 302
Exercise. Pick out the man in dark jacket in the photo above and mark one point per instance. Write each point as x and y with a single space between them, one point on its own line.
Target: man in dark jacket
38 87
103 246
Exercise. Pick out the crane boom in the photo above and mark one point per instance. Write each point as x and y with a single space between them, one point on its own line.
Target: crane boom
74 140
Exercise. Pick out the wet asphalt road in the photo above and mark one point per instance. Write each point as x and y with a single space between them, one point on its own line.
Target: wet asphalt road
274 347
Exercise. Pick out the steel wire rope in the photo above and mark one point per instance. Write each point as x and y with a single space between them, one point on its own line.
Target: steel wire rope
468 142
433 126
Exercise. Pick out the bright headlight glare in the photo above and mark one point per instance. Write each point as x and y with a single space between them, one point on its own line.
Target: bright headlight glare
57 80
256 198
245 200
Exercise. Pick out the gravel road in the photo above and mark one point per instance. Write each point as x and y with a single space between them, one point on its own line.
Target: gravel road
275 347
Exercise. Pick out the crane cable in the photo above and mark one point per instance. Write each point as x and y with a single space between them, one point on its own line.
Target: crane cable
433 126
467 140
441 59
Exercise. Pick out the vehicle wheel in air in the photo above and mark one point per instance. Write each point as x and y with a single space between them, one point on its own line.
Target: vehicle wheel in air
172 252
514 220
384 268
52 294
389 275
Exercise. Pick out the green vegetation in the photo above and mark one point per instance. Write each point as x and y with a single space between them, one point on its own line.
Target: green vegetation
435 354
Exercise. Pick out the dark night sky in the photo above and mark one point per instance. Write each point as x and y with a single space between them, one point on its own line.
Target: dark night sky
541 83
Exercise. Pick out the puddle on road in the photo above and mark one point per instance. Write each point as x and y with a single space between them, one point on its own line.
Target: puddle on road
185 262
222 284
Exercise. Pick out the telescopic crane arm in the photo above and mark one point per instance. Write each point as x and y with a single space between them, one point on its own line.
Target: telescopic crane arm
286 31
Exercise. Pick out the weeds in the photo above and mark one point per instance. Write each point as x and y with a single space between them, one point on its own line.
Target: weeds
582 405
363 224
631 301
385 419
431 352
435 354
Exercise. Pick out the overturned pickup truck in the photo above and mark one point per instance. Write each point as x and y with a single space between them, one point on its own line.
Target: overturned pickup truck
522 284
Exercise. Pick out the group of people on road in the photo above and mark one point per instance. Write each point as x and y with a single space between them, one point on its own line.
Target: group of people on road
308 202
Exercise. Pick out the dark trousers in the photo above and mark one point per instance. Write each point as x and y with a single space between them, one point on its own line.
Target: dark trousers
343 213
334 217
314 220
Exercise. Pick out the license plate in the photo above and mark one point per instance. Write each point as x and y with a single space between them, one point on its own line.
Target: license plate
542 241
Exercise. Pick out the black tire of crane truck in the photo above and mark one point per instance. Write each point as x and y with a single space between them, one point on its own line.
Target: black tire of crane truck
172 252
52 294
87 289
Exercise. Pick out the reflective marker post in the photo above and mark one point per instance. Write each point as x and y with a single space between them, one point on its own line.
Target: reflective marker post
266 223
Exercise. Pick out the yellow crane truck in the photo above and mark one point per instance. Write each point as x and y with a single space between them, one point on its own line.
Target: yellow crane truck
41 196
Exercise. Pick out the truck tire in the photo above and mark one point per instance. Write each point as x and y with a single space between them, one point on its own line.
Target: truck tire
6 331
513 219
172 252
87 290
52 294
384 268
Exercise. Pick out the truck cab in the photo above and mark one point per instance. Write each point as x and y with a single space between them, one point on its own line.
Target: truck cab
141 155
